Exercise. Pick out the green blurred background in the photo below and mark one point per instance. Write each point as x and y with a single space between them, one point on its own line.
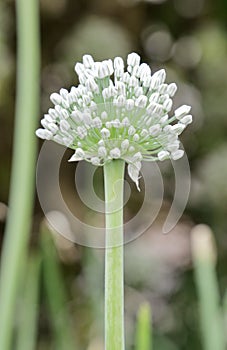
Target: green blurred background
189 39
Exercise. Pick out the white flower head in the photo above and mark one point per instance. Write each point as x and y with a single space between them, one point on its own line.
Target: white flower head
117 112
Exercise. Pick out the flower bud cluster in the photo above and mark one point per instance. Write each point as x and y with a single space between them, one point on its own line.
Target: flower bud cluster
117 112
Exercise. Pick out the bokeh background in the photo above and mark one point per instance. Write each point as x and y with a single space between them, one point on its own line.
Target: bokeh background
189 39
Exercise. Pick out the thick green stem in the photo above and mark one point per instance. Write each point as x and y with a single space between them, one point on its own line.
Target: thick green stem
23 167
114 260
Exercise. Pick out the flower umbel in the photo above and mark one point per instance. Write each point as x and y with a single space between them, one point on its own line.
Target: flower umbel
117 114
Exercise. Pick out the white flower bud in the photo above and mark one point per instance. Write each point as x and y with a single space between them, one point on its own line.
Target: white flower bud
64 125
116 123
52 113
95 161
109 64
172 89
106 93
58 139
67 141
109 124
44 134
71 98
53 128
131 130
79 68
125 122
144 133
133 81
182 111
86 99
173 147
172 137
88 61
56 98
154 97
168 129
163 98
177 154
138 90
115 153
91 85
141 101
125 144
101 143
120 87
136 138
163 155
186 120
82 132
118 63
97 123
157 79
144 71
130 104
133 59
48 118
164 119
104 115
154 130
121 100
147 81
87 118
155 108
102 152
163 88
65 104
178 128
134 70
119 72
126 78
105 133
77 116
167 105
137 157
64 93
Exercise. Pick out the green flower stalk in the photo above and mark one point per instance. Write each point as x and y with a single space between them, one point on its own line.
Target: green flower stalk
23 166
116 116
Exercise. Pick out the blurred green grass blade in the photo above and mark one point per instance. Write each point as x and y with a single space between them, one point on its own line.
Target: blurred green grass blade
143 328
225 314
27 329
56 295
204 259
23 166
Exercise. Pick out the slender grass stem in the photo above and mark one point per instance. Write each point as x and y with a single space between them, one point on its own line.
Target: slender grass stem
23 167
114 260
225 315
204 259
26 340
56 294
143 329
